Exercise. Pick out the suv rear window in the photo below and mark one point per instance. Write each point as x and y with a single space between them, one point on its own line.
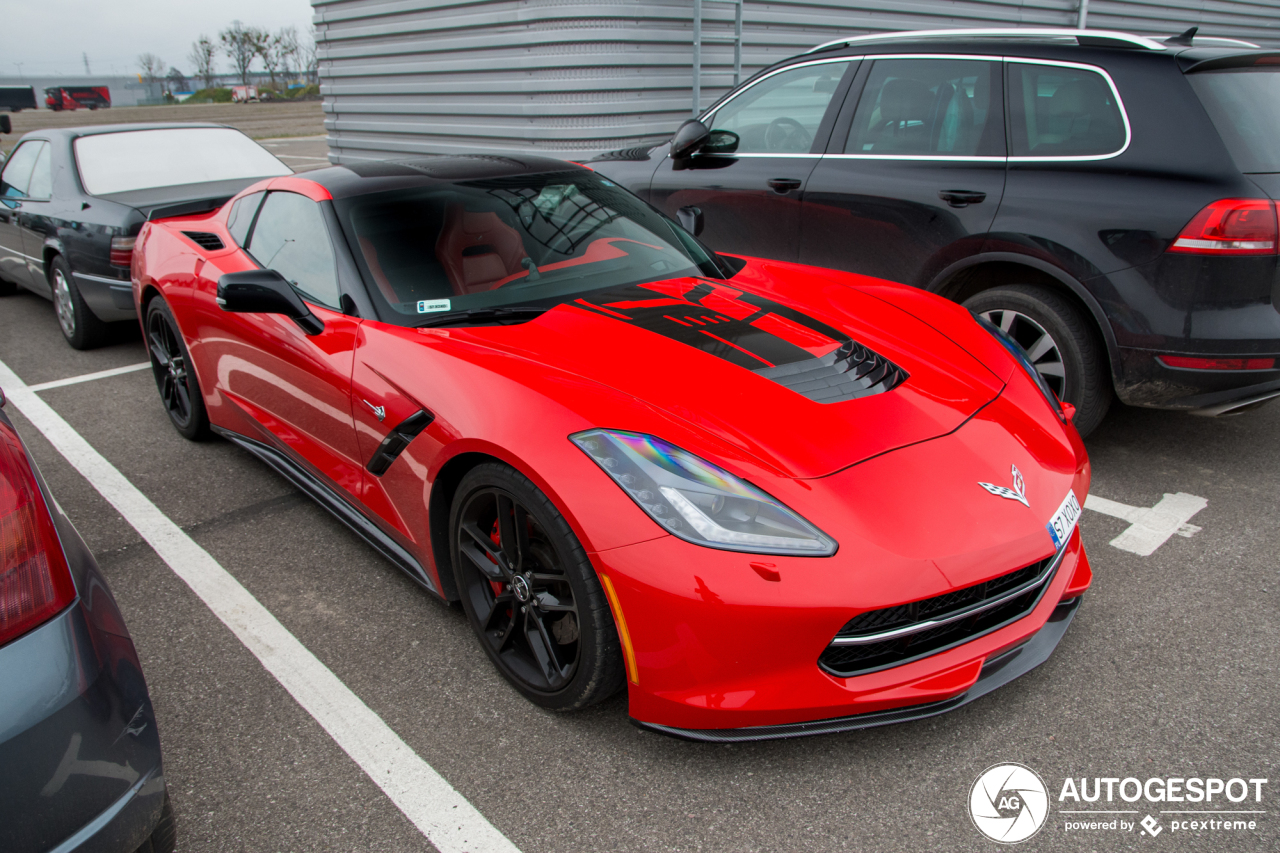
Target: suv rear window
1060 111
1244 104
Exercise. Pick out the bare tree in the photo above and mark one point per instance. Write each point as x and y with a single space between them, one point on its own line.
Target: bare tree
151 67
243 45
204 57
290 49
175 81
309 55
269 49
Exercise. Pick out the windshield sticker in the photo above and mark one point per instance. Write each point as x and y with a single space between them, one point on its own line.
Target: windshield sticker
430 306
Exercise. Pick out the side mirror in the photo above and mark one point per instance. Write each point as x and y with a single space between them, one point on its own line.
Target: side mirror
721 142
6 126
691 219
688 139
265 292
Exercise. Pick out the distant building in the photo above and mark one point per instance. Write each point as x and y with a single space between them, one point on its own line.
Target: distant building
582 76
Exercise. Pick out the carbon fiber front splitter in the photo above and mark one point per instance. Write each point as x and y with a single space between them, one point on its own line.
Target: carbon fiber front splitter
996 673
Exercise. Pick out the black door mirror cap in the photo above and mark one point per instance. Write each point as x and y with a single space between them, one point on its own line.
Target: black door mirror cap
690 136
265 292
6 126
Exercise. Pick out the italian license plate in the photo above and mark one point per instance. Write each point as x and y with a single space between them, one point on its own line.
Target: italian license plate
1064 520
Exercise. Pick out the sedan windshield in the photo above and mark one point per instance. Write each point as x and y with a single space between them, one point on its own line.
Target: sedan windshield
526 240
165 157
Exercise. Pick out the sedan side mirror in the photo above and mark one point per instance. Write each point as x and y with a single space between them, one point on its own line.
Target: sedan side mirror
721 142
6 126
691 219
688 139
265 292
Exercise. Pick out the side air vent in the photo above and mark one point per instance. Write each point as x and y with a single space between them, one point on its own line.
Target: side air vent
850 372
205 240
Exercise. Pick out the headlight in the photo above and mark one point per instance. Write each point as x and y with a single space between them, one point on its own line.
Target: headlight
1019 354
697 501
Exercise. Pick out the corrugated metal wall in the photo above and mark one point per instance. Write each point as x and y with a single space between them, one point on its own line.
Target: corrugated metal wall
574 77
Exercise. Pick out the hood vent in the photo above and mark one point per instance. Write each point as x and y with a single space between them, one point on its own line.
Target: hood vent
205 240
848 373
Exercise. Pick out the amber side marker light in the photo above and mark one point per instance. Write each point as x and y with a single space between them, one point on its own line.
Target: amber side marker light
1191 363
628 652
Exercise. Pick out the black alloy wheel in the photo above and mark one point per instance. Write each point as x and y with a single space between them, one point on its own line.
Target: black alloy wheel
171 366
530 592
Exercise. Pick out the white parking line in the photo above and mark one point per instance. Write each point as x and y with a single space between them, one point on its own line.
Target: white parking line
443 815
1150 528
88 377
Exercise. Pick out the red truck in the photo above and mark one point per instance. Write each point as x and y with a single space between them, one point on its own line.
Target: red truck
77 97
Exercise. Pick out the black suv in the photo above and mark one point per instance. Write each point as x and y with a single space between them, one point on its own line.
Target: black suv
1105 198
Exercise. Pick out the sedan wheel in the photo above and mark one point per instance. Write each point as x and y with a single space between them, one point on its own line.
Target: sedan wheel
63 303
530 592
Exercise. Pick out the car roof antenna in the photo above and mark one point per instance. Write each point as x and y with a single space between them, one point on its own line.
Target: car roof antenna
1184 38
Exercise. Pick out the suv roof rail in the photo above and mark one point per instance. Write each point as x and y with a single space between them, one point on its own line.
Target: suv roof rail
1090 37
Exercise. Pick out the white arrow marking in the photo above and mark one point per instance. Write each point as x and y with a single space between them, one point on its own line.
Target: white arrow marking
1150 528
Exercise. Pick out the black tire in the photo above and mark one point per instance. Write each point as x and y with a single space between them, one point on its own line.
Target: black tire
171 366
80 326
560 662
164 838
7 288
1075 365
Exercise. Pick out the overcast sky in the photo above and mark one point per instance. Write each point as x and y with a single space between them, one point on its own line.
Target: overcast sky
50 37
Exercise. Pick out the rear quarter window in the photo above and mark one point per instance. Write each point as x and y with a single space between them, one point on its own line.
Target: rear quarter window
1244 105
1060 111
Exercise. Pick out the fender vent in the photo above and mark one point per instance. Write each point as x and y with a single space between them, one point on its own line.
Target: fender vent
205 240
850 372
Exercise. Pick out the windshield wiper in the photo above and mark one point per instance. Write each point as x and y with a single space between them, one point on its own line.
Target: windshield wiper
517 313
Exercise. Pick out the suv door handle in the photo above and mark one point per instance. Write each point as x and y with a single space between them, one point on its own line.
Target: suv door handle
961 198
782 185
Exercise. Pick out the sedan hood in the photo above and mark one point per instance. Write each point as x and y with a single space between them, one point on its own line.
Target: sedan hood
806 387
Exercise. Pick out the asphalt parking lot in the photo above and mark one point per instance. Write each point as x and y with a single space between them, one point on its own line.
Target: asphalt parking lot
1169 669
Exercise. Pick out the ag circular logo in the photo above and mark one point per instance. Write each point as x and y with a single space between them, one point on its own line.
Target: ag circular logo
1008 803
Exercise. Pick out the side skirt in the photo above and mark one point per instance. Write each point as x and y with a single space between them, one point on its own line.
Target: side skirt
331 500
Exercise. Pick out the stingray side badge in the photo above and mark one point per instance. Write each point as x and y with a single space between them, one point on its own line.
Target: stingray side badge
1017 493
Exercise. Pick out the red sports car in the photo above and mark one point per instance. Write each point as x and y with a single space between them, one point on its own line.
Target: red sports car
768 499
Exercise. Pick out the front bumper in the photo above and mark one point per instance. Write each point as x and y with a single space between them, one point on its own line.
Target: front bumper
996 671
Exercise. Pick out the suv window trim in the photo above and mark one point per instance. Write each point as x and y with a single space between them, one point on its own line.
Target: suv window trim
734 95
952 158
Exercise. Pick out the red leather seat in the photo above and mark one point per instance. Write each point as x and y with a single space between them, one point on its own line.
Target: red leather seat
477 250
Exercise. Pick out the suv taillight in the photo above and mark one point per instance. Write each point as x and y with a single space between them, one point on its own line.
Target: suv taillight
1232 226
122 251
35 583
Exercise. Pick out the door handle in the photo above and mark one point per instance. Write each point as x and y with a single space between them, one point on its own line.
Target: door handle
962 198
783 185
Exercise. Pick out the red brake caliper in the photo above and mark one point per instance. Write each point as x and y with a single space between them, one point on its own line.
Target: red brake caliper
497 586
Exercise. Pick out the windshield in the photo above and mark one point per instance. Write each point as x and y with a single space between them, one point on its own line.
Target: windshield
1244 104
515 241
145 159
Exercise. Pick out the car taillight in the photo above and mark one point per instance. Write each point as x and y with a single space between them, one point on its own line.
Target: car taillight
122 251
1232 226
1194 363
35 583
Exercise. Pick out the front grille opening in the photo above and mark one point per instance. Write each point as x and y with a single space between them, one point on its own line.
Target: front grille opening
205 240
847 660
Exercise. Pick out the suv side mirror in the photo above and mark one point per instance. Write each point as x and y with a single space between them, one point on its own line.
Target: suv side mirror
6 126
688 139
265 292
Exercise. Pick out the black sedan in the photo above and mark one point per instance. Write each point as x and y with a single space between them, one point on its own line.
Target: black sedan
72 201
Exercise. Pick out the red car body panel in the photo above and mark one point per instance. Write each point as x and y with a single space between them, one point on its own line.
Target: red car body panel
719 643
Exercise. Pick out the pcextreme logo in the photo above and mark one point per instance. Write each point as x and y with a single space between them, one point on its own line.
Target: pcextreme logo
1009 803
